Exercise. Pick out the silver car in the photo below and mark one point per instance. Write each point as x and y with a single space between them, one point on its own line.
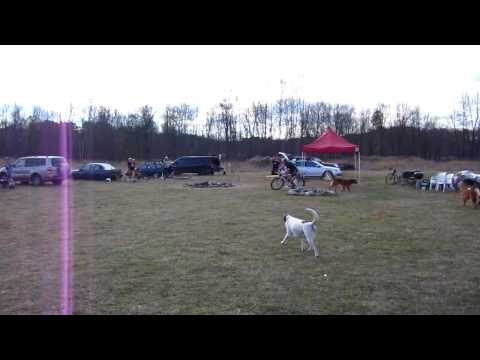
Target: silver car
39 169
315 168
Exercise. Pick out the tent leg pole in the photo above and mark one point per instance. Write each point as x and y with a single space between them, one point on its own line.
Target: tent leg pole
359 167
355 163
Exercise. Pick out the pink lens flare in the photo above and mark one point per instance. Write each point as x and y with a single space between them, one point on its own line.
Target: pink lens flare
66 222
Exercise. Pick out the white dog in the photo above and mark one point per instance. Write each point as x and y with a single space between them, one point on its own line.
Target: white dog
302 228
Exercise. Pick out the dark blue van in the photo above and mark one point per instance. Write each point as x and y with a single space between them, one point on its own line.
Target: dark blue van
202 165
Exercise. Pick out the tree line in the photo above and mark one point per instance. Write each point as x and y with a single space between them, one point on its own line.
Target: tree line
262 129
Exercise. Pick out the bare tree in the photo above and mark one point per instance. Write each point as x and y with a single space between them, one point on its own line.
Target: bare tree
177 119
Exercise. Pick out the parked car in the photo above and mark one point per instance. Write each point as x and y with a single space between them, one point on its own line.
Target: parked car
151 169
97 171
468 174
312 158
38 169
312 166
315 168
203 165
468 177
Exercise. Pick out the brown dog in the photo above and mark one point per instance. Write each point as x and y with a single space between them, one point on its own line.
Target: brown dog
345 183
472 193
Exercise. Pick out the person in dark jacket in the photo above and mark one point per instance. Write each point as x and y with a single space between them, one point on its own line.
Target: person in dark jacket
291 167
131 168
165 164
275 164
8 170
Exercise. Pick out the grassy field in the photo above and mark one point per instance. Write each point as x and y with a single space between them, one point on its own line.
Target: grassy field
157 247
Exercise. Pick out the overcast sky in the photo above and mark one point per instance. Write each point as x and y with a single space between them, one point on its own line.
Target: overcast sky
127 77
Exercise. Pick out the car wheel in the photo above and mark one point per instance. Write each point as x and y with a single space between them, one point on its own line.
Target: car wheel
57 182
36 180
328 176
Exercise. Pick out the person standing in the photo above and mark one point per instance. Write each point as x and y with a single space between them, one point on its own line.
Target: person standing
130 168
275 164
8 171
8 168
165 167
134 169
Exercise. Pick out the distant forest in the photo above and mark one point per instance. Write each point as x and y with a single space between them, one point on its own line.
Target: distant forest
262 129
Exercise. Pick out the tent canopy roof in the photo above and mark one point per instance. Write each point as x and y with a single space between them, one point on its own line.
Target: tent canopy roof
330 142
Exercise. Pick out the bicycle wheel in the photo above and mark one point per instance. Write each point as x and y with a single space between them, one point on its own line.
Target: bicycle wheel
391 179
328 176
277 183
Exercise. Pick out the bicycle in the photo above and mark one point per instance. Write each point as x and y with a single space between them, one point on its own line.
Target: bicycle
392 178
279 182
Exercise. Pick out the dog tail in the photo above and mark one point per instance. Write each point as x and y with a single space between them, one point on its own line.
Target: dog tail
315 215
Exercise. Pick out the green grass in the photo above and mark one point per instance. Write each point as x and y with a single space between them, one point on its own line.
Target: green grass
160 248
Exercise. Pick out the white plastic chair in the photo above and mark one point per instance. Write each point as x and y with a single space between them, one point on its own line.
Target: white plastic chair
449 182
433 182
437 180
445 181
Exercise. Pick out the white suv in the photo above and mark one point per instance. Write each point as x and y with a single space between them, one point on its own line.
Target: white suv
38 169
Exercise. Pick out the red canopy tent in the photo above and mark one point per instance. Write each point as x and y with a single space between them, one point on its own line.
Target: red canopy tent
331 142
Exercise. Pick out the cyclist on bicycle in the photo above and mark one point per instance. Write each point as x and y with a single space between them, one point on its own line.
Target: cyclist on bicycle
291 168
